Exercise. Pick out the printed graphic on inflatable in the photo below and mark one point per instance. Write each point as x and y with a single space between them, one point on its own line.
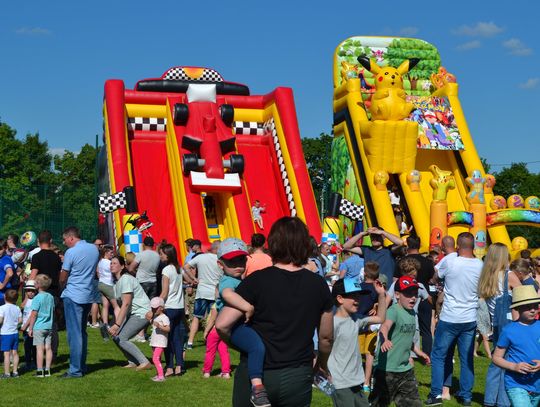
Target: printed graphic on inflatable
437 128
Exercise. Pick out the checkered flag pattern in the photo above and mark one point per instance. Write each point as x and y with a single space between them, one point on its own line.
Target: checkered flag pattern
110 203
147 123
270 126
178 74
249 128
133 241
351 211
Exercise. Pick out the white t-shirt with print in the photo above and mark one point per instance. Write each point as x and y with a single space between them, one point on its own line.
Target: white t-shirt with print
208 274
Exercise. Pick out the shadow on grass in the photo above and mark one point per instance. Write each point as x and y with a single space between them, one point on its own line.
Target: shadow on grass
476 397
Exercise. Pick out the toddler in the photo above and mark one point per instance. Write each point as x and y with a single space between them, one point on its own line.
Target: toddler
10 318
158 340
26 305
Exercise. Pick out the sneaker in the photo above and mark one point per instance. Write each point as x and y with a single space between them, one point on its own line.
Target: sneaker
5 376
206 375
94 326
225 375
189 346
259 398
433 401
158 379
138 338
463 402
47 373
366 389
15 375
40 373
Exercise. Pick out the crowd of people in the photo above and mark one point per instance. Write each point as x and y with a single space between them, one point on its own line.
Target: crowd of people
350 319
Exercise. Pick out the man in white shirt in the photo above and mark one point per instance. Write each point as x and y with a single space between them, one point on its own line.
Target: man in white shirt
208 275
457 322
146 264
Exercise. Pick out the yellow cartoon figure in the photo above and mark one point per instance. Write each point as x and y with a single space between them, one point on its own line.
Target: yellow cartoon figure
441 78
388 101
348 71
441 182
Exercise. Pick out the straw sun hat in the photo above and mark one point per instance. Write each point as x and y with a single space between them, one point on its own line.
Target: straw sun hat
523 295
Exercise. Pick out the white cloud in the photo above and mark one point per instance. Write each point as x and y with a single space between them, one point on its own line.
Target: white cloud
531 83
33 31
516 47
469 45
57 151
408 31
481 29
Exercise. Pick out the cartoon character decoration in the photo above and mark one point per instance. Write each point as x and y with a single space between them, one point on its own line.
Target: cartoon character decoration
388 102
441 182
476 184
435 238
498 202
490 183
519 243
516 201
532 202
28 239
348 71
380 179
413 180
480 243
442 77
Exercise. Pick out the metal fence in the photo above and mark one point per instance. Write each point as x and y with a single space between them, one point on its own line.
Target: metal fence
39 207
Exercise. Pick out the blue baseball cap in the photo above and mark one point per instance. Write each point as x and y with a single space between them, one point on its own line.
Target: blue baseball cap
348 287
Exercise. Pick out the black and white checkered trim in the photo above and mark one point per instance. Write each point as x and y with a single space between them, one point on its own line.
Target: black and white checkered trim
110 203
249 128
178 74
270 126
351 210
147 123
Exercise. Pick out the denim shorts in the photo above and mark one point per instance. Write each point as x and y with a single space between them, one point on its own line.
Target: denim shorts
42 337
9 342
202 307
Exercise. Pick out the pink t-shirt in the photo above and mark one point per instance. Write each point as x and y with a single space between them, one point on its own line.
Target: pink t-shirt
257 261
159 338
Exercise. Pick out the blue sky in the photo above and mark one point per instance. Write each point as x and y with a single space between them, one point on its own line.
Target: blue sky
56 57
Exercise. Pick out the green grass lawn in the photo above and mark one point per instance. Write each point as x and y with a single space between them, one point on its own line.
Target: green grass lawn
108 384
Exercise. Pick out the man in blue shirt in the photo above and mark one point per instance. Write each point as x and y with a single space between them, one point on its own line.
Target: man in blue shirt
351 266
79 277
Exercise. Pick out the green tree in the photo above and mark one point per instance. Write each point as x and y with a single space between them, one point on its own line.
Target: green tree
76 185
317 155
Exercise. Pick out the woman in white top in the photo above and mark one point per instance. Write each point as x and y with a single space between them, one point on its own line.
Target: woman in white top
173 295
106 284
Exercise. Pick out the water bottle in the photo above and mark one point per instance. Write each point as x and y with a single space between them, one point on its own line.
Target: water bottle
324 384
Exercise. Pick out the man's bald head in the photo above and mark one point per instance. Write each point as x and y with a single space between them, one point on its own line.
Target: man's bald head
465 241
448 244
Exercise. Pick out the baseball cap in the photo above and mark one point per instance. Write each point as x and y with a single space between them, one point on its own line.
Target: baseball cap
30 285
157 302
232 247
348 287
406 283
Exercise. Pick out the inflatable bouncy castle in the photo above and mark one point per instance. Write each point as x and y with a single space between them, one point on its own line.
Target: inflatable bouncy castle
402 149
191 155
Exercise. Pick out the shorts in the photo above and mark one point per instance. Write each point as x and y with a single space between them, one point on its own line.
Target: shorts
9 342
42 337
202 307
367 342
106 290
401 388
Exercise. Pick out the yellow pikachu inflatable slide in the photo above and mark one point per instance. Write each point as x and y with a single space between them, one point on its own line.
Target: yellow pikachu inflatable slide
397 111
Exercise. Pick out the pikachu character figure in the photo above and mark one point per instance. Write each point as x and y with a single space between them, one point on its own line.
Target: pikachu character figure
441 182
388 102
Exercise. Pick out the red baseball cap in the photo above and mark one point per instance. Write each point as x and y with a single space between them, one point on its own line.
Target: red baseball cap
406 283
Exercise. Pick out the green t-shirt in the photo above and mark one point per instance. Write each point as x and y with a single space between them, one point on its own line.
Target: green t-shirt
140 304
402 335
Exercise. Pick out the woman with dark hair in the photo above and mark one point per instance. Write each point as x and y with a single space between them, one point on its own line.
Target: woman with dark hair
7 268
132 315
290 302
173 295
